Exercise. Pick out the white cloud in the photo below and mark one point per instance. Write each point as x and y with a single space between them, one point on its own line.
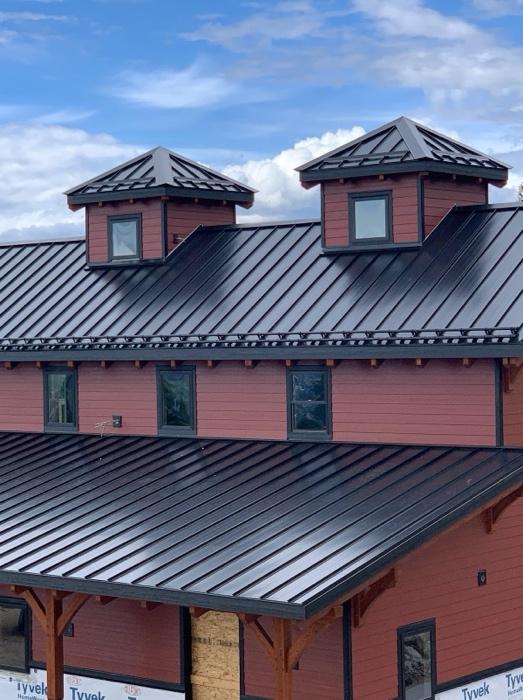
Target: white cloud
39 162
63 116
32 17
499 8
280 193
170 89
414 19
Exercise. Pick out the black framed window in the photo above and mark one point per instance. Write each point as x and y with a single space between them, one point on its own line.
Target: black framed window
417 661
124 237
370 217
308 402
14 635
176 401
60 398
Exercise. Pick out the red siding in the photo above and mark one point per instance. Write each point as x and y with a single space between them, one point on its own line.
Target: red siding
21 398
442 194
513 412
122 638
234 401
404 207
441 403
320 673
476 627
184 216
119 390
150 210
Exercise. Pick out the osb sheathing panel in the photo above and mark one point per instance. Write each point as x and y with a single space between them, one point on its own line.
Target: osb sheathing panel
216 657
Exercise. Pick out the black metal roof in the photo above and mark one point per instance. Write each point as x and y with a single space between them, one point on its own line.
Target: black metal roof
402 145
281 528
158 172
268 290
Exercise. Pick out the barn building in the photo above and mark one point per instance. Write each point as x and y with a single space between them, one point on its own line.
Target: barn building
267 461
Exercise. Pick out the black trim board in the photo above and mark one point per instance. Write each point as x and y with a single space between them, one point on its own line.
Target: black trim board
498 401
164 191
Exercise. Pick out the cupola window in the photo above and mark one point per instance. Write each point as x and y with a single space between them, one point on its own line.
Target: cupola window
124 237
370 217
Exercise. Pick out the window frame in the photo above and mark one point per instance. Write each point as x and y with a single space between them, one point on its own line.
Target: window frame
316 435
124 217
408 631
176 430
7 602
366 196
60 427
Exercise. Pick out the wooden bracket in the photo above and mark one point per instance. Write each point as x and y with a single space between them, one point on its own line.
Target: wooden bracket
468 361
491 515
332 363
72 364
139 364
40 364
364 599
420 361
250 364
104 599
10 365
211 364
197 612
105 364
174 364
290 363
78 600
511 368
375 363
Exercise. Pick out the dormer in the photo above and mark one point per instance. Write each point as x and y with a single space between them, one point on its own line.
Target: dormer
392 186
138 212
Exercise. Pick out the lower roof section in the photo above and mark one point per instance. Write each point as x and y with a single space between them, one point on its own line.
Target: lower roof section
278 528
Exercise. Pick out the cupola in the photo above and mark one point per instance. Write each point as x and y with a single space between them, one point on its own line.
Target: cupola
138 212
392 186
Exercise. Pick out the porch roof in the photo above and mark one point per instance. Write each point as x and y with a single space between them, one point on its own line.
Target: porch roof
270 527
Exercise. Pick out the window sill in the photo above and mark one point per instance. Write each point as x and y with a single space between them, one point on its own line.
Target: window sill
176 432
60 428
309 437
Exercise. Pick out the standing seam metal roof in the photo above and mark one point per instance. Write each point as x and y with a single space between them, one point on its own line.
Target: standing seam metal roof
280 528
270 286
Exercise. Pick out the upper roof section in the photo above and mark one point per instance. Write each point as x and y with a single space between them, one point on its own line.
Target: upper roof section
403 145
266 290
160 172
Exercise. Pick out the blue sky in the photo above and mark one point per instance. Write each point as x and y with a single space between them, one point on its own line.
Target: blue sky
254 88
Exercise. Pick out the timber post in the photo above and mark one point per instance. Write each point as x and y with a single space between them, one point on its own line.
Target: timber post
282 640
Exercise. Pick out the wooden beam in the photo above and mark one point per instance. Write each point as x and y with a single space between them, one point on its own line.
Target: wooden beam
375 363
40 364
78 600
511 368
290 363
311 631
250 364
103 599
174 364
468 361
211 364
34 602
54 649
72 364
105 364
10 365
364 599
197 612
149 605
420 361
491 515
252 623
332 363
282 640
139 364
381 177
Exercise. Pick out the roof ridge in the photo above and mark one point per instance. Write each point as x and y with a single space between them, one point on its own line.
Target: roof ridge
42 241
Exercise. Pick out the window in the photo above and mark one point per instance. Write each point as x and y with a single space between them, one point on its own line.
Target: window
14 635
176 401
370 217
60 398
124 237
308 392
417 664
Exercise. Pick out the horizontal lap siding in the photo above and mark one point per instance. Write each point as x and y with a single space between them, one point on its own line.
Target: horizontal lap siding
152 235
184 216
404 207
476 627
440 195
122 638
118 390
513 412
234 401
320 673
21 398
441 403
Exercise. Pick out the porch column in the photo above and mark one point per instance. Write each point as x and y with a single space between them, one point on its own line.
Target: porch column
282 641
54 648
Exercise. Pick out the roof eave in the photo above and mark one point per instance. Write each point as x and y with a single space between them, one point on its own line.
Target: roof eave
413 166
163 191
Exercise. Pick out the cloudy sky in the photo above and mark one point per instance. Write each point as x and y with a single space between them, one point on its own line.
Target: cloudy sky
251 88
